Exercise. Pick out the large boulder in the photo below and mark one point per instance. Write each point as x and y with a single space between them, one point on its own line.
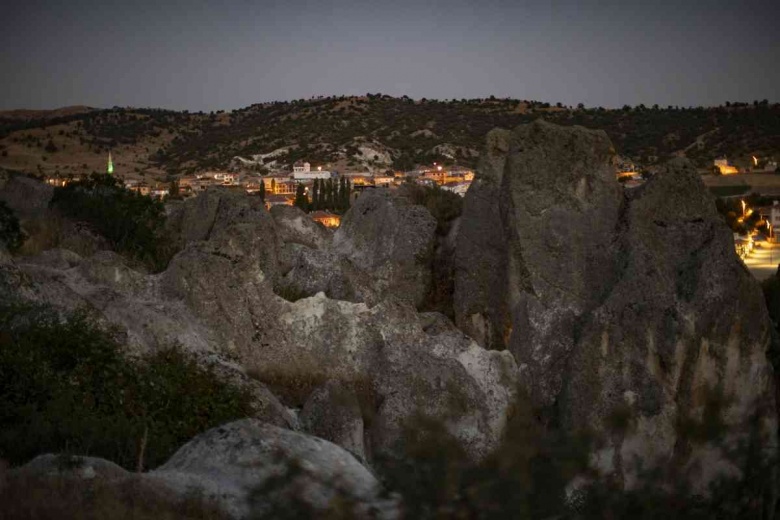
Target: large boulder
480 295
401 372
393 241
332 412
615 304
248 461
682 333
26 196
295 226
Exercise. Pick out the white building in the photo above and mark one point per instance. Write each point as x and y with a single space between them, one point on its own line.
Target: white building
311 175
301 167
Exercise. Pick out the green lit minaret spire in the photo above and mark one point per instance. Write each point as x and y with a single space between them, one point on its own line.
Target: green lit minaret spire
110 169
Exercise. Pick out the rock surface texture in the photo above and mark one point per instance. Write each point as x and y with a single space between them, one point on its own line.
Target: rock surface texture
231 462
613 303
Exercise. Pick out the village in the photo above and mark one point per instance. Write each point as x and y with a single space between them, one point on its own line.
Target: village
280 188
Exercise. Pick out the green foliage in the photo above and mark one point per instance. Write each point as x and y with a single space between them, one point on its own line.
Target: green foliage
132 223
66 387
10 232
445 206
301 200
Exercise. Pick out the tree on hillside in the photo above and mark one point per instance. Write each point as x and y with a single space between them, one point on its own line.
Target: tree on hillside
329 194
315 195
300 198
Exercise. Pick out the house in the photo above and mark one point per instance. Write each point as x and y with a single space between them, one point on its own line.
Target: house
326 219
308 175
279 185
724 167
774 215
301 167
278 200
383 180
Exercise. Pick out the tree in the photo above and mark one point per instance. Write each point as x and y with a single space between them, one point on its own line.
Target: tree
262 190
329 194
50 147
300 198
315 195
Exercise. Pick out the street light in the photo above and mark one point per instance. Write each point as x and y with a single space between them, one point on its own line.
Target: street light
743 208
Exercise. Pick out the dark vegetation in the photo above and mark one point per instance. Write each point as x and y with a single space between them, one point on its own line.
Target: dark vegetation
10 232
65 387
132 223
732 212
39 497
445 207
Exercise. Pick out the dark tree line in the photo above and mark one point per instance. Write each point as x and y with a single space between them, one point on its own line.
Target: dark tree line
327 194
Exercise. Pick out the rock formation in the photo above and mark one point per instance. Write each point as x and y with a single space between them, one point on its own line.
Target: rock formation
231 462
612 301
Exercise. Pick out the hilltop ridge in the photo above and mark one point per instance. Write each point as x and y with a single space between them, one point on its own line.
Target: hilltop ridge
373 132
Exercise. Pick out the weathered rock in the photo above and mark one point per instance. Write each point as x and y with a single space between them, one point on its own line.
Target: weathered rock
54 258
229 462
86 468
480 298
294 226
614 304
684 326
384 353
313 271
392 240
332 412
24 195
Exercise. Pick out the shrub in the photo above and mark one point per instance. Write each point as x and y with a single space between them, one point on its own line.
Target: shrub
10 232
132 223
445 206
61 496
66 387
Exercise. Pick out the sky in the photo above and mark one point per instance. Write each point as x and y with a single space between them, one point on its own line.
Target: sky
197 55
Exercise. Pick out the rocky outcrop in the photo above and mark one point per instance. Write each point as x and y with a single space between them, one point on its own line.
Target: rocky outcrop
393 241
480 295
220 299
26 196
332 412
248 463
614 303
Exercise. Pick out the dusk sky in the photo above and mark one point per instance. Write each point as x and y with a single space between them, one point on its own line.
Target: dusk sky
228 54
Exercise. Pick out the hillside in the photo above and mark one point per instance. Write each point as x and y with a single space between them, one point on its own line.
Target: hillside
367 132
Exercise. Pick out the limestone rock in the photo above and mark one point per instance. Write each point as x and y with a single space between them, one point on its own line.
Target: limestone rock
392 240
24 195
294 226
332 412
229 462
628 303
86 468
480 296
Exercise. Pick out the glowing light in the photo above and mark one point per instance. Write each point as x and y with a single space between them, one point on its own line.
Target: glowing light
755 161
110 168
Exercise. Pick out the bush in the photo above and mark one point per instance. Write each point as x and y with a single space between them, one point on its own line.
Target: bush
132 223
66 387
10 232
445 206
62 496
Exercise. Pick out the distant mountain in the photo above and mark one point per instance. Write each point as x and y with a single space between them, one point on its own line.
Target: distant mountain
375 132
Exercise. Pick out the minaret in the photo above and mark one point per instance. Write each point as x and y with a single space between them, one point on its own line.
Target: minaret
110 169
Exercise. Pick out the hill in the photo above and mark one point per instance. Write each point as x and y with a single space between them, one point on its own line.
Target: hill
368 132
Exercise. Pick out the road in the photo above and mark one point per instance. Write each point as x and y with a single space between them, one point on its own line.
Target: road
762 262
